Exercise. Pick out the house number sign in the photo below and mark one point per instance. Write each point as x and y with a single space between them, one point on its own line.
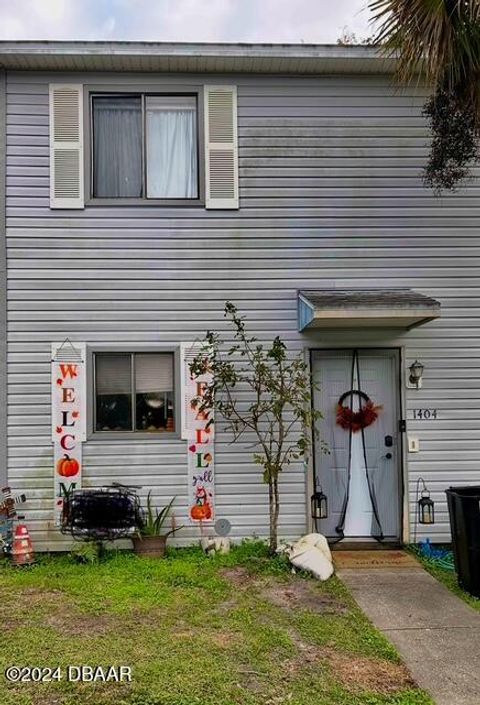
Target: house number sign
68 419
424 414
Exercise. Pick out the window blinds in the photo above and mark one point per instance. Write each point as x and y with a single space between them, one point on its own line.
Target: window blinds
153 372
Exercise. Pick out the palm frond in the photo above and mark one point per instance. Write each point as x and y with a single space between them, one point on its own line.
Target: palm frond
441 37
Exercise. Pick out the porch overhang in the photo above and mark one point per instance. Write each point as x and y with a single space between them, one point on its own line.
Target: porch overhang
364 308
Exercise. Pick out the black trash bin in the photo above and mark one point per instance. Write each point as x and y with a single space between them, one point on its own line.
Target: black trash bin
464 511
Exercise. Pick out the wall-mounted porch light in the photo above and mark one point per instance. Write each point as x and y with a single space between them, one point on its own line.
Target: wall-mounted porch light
416 373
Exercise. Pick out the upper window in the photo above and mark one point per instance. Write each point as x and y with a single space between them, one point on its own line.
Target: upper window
145 146
134 392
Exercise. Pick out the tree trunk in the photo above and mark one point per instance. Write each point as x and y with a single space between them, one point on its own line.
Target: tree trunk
274 506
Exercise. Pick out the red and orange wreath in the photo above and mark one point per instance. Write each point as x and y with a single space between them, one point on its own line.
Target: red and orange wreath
356 420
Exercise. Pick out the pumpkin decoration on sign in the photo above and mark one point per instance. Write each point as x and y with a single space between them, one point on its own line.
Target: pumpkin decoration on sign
201 512
354 421
202 509
67 466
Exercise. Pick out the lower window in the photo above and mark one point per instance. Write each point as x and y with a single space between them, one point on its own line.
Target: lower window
134 392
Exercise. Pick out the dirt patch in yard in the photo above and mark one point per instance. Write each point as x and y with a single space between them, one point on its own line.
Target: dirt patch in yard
33 601
44 698
294 593
101 694
185 634
252 680
239 577
224 639
242 580
57 610
225 607
355 673
71 624
302 594
359 673
33 598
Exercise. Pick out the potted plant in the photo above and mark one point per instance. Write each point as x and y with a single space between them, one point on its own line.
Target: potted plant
150 541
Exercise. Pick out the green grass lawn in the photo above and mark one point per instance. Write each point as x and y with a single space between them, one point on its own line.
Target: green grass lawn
447 577
228 630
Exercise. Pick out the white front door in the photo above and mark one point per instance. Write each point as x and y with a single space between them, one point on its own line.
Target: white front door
361 474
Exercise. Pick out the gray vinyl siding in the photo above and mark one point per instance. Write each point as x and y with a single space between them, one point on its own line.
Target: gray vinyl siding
330 196
3 284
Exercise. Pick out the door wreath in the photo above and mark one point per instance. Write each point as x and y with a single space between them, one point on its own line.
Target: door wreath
354 421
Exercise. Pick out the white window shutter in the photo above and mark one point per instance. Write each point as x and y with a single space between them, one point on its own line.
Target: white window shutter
187 354
221 149
66 145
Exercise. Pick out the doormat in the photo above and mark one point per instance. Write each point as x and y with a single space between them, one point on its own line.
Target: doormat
374 559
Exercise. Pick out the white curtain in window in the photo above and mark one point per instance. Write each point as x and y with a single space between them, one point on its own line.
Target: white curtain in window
117 155
171 147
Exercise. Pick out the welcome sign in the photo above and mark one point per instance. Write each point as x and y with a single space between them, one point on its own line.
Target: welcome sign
200 447
68 419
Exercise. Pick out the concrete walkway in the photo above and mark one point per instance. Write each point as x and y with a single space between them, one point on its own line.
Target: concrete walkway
437 635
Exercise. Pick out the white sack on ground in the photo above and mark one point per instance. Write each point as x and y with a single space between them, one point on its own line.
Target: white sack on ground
312 553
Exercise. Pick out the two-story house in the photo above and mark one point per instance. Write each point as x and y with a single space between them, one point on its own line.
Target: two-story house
143 185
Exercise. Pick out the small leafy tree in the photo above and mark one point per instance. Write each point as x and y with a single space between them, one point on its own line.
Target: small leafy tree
277 411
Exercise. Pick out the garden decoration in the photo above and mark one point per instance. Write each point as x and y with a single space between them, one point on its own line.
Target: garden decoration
215 544
222 527
219 543
150 541
22 548
354 422
6 532
100 515
8 514
9 502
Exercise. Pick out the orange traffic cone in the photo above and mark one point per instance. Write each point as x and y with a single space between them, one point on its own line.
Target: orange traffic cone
22 550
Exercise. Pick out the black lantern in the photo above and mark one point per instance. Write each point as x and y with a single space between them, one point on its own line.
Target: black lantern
426 507
416 372
319 505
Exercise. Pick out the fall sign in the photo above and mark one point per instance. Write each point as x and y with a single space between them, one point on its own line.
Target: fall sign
200 450
68 419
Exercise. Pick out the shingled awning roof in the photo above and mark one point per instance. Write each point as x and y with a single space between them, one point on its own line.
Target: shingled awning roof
354 308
